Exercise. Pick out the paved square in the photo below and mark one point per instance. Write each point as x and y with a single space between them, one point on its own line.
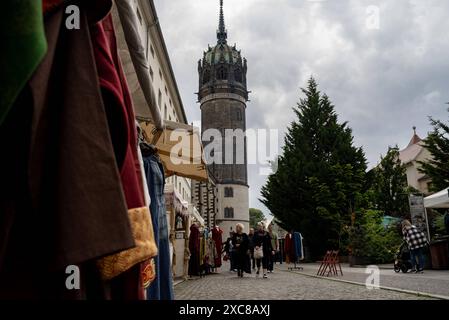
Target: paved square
280 285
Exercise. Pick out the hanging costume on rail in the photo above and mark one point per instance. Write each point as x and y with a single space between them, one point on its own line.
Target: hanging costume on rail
212 252
23 47
194 247
289 249
298 250
203 240
208 252
61 186
117 101
162 286
148 268
217 235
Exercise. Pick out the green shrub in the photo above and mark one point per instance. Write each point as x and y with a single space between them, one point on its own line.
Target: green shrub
439 224
370 239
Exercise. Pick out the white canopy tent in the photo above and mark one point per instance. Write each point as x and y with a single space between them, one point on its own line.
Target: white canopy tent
438 200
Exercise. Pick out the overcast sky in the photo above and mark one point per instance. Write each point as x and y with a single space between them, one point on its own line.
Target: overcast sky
384 73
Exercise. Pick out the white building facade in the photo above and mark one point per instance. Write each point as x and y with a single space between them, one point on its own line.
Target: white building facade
163 79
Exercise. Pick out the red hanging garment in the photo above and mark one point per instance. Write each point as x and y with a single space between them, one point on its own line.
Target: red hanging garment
288 248
118 105
194 247
217 237
62 203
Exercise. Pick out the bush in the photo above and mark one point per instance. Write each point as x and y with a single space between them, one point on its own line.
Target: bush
438 224
369 239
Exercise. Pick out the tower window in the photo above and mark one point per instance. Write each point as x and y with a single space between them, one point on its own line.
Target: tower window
228 192
229 213
206 76
238 75
238 115
222 73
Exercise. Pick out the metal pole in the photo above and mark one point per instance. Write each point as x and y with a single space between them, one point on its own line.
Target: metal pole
427 224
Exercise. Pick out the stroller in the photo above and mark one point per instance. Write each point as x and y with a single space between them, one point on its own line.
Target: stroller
402 260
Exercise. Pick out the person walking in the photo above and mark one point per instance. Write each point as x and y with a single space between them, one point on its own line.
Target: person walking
275 248
240 243
416 241
251 247
262 249
229 251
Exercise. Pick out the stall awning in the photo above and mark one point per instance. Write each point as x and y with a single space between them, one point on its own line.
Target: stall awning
438 200
173 199
180 149
194 213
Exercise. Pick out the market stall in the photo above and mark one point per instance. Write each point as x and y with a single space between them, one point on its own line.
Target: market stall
439 248
438 200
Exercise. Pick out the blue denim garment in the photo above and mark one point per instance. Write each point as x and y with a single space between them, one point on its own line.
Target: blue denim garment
297 238
162 286
417 258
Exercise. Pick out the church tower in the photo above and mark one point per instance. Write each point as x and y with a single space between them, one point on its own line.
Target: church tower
223 96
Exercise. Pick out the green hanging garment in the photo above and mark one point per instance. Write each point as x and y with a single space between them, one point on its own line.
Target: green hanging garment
23 44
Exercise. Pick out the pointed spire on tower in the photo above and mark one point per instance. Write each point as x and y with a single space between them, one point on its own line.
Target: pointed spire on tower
222 35
415 139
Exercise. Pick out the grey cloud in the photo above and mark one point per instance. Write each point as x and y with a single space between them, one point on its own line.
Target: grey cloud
382 81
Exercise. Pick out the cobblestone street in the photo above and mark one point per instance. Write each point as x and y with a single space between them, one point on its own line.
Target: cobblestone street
281 285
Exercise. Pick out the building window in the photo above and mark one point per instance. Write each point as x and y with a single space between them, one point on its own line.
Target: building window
222 73
147 47
229 213
160 73
166 90
139 16
151 73
228 192
152 50
169 100
169 118
165 111
159 99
